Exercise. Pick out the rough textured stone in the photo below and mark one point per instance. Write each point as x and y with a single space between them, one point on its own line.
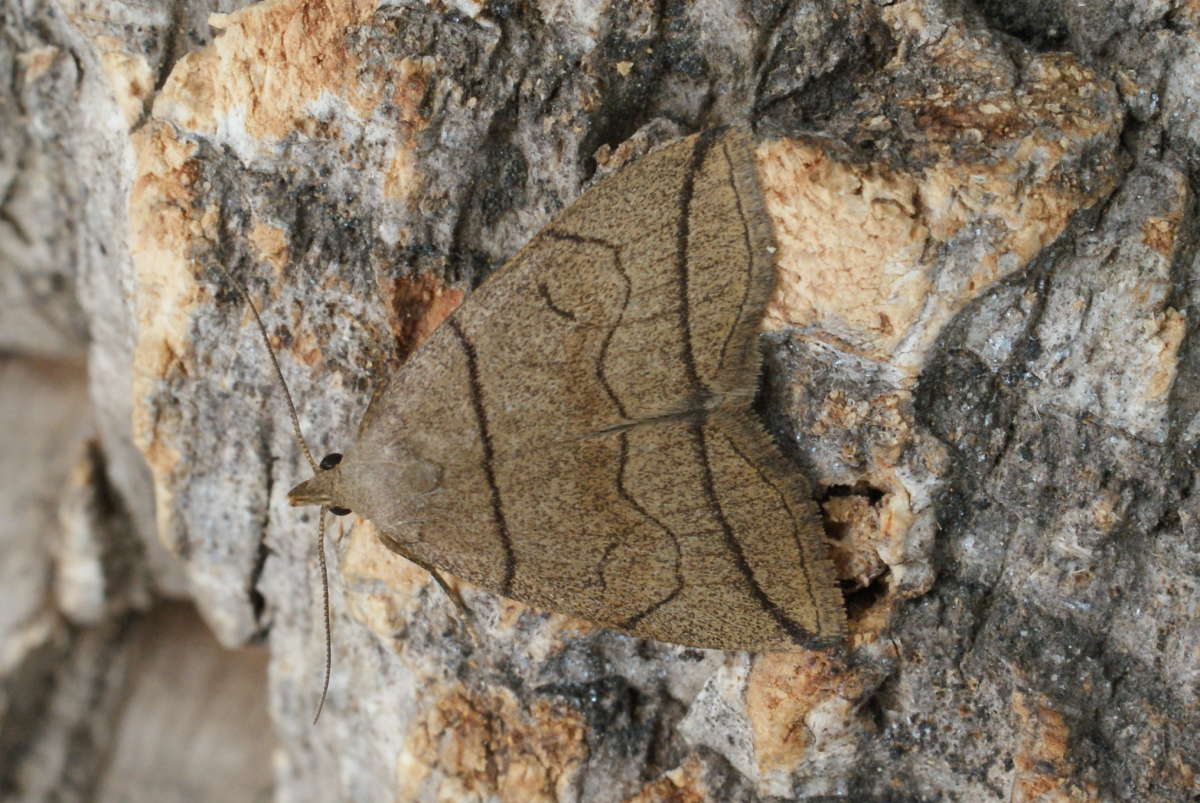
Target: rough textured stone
79 557
982 349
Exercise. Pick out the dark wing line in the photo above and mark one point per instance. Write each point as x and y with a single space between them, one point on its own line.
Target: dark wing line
485 437
544 292
793 629
749 259
631 622
687 190
616 257
808 581
623 437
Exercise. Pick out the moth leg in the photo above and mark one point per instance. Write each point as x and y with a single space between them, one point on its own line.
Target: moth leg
380 358
380 361
465 615
452 593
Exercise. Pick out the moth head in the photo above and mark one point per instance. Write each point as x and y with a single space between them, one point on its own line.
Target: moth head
322 488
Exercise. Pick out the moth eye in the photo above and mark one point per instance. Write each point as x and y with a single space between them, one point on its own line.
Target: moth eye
329 461
338 511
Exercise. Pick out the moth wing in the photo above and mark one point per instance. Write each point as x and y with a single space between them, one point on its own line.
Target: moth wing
691 531
617 310
615 314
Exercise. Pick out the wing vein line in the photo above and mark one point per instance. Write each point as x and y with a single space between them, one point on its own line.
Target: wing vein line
808 582
489 471
622 489
601 377
749 260
734 546
632 621
683 232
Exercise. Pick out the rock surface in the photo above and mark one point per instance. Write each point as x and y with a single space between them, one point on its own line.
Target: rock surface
982 349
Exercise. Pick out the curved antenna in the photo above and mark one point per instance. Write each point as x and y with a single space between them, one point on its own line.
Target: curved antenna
325 599
287 394
262 329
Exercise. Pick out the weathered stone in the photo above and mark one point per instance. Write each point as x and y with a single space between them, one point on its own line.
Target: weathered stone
982 348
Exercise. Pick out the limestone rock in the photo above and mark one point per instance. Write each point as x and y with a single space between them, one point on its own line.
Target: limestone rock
982 349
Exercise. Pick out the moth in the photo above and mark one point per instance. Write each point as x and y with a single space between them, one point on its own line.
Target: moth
578 435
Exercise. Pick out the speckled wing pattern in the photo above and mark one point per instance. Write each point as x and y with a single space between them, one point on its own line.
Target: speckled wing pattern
578 434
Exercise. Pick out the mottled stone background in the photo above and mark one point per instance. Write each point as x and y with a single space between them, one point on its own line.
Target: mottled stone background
982 349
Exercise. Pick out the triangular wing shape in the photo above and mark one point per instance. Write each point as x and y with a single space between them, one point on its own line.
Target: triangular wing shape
623 336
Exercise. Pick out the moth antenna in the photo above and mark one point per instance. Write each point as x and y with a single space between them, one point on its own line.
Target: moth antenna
325 602
287 394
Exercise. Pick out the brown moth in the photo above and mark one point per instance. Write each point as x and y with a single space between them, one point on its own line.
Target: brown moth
578 434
